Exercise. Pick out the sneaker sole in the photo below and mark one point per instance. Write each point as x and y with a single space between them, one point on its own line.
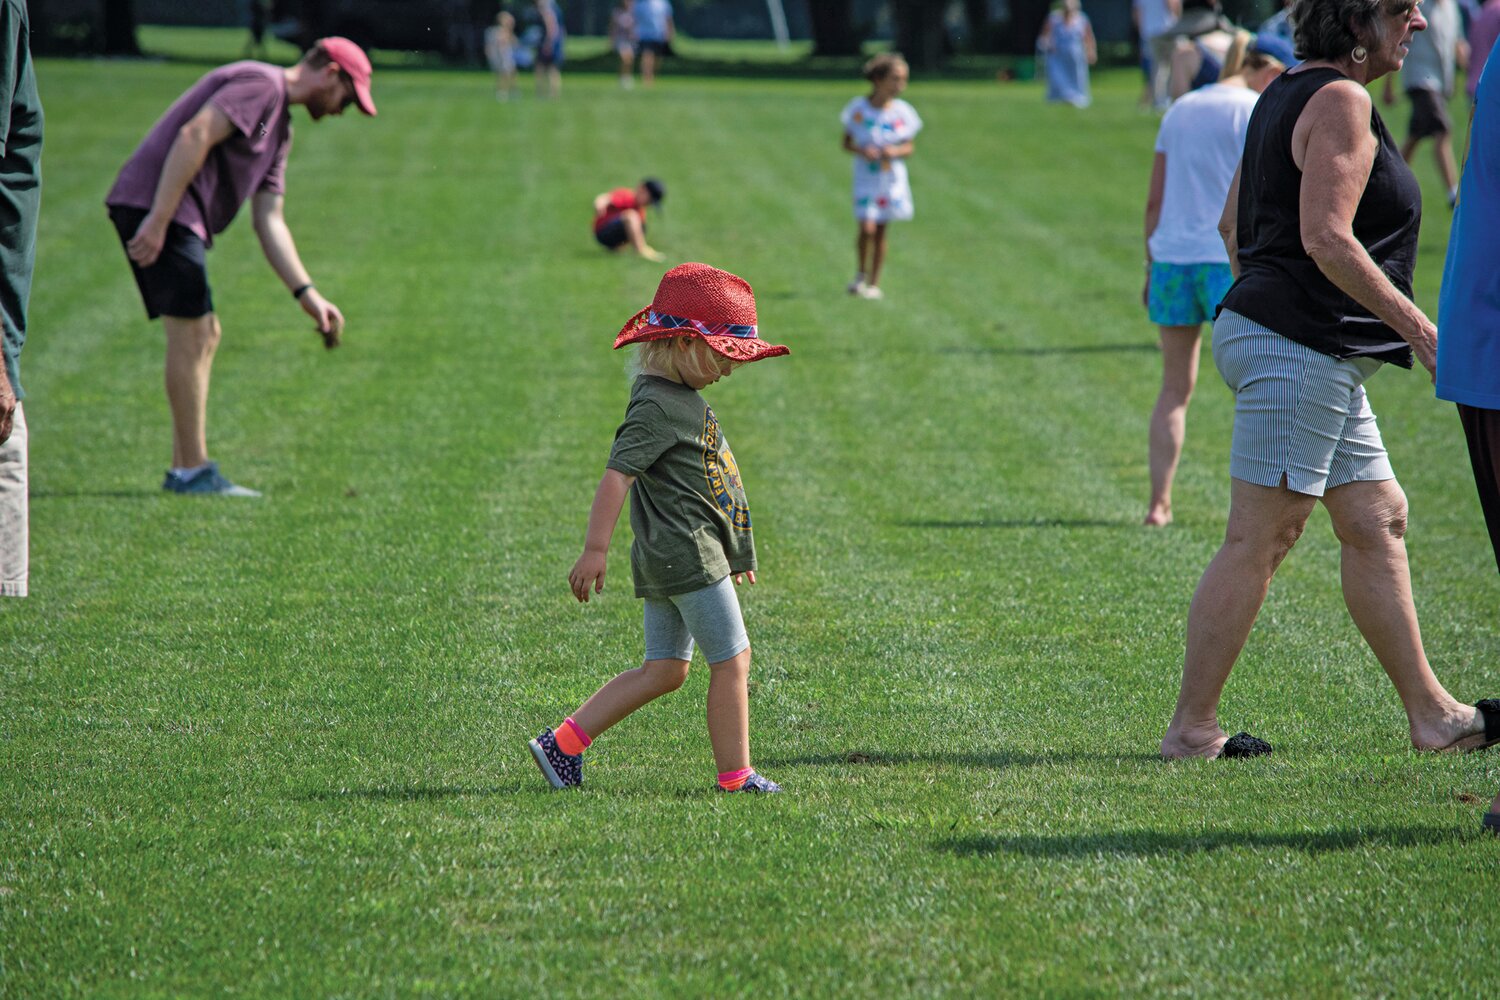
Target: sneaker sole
545 766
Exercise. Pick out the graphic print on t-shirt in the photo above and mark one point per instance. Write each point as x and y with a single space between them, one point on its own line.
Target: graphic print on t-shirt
723 474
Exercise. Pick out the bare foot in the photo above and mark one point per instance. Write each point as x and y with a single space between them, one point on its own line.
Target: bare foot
651 254
1460 728
1205 743
1158 517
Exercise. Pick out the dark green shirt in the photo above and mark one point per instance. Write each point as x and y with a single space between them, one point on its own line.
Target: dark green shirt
687 505
20 178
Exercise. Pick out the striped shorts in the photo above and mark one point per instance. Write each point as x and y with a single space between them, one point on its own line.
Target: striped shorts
1297 413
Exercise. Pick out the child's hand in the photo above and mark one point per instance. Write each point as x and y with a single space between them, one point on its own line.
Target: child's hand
739 578
871 153
588 570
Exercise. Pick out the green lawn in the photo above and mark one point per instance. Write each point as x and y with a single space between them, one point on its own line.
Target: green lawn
277 748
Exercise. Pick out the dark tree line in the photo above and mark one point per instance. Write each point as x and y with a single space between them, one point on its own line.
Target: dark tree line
921 33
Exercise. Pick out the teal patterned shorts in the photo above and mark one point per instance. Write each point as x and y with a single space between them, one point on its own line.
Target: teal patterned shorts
1186 294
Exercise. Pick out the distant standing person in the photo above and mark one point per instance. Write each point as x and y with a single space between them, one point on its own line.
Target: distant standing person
223 142
549 51
20 201
880 130
622 40
257 16
1067 41
654 31
620 217
500 52
1151 18
1429 77
1483 31
1187 269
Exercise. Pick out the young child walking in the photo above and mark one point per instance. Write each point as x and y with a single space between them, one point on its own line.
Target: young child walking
690 519
879 130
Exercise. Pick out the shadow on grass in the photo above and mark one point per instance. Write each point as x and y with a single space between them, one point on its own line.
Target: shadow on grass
985 759
144 494
396 793
1041 352
1152 843
1019 522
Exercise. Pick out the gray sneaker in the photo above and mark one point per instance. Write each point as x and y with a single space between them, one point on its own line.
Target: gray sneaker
207 481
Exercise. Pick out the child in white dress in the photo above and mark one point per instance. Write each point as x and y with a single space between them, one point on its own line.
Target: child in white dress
879 130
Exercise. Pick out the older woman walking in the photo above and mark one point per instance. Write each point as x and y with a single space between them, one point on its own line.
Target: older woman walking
1321 225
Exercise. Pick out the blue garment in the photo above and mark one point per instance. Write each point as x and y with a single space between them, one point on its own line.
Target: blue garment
1067 60
651 18
1469 305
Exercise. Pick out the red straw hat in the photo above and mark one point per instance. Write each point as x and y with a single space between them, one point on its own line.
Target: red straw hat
696 300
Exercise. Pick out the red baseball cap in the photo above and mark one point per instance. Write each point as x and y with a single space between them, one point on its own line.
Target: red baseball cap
353 61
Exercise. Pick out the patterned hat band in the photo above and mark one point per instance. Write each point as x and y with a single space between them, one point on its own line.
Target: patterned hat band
665 322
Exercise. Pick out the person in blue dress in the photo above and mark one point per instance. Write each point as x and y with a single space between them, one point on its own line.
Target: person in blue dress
1067 42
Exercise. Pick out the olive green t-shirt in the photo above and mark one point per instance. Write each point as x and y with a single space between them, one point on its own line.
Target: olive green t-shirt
687 504
20 179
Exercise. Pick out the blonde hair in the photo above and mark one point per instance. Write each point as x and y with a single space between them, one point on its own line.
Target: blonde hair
1242 60
880 67
662 357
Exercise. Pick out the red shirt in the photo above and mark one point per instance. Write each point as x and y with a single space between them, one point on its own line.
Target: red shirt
619 200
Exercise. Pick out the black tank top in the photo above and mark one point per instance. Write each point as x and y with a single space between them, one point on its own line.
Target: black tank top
1280 287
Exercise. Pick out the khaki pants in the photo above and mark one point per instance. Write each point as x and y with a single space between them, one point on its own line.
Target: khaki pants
13 489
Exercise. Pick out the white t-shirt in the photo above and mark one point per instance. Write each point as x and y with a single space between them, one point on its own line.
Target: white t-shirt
1154 17
1431 62
1203 137
882 191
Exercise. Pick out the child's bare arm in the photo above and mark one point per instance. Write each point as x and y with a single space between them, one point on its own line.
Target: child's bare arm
898 151
609 498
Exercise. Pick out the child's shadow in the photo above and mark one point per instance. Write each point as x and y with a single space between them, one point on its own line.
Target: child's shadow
995 759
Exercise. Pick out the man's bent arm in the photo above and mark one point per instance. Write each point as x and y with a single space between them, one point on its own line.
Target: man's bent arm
185 158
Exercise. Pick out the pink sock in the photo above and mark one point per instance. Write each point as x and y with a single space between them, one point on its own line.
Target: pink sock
731 780
571 739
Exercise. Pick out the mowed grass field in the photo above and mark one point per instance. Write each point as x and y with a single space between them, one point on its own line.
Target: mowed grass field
277 748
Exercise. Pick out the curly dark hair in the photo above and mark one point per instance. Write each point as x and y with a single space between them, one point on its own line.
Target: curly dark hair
1330 29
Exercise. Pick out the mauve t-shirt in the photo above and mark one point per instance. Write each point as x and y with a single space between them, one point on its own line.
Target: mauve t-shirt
252 95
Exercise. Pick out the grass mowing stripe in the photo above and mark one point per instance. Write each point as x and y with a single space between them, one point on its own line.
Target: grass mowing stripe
279 749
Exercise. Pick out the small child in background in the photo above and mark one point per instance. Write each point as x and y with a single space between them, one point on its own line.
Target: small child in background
690 519
879 130
620 217
500 50
622 40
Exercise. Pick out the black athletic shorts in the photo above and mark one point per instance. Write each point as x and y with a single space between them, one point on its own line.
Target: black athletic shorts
612 234
177 284
1482 431
656 48
1429 115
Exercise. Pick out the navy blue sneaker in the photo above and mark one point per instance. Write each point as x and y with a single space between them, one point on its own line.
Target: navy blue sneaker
207 481
562 770
755 783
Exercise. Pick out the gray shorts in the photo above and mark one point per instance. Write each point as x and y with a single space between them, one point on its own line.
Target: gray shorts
13 542
711 616
1298 413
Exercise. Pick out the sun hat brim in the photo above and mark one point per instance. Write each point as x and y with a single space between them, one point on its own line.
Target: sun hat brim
743 344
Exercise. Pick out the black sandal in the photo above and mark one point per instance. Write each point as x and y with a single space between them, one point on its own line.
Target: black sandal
1245 745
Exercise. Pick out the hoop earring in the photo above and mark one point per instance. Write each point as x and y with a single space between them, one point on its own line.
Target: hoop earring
1360 54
